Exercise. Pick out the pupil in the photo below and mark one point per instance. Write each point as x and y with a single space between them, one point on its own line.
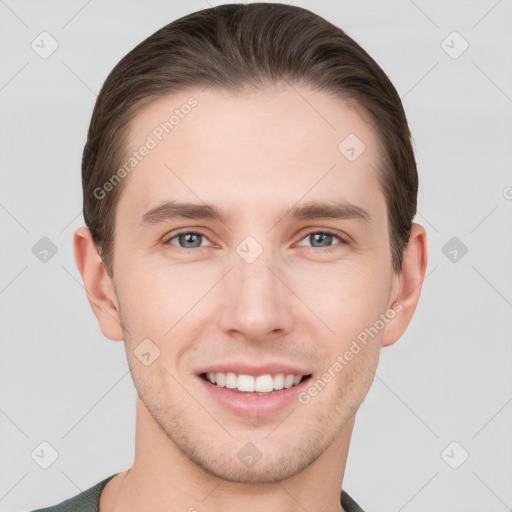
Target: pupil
189 238
322 236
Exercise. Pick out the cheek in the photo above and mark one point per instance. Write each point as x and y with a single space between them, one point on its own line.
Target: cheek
158 301
346 298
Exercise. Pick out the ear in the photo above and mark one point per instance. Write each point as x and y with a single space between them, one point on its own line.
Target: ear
407 289
98 284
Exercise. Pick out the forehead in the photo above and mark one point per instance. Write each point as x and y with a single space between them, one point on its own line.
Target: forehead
259 149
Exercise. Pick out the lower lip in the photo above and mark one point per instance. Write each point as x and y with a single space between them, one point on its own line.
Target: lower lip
254 406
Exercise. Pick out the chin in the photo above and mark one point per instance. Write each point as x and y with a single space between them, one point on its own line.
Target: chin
267 470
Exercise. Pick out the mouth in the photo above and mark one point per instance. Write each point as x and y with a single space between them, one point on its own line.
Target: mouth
243 388
254 385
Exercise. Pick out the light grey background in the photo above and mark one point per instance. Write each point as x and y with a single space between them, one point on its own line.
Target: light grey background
449 377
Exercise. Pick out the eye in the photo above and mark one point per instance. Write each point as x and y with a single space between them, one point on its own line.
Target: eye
323 237
194 239
187 239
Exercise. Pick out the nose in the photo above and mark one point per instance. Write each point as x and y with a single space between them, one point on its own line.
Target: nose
257 303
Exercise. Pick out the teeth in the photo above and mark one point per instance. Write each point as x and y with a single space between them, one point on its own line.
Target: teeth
279 381
259 384
231 380
288 381
264 384
245 383
220 379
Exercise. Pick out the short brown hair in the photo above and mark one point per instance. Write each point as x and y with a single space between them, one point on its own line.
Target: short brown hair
233 47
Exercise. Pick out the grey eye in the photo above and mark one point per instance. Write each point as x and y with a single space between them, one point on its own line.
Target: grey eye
321 239
188 240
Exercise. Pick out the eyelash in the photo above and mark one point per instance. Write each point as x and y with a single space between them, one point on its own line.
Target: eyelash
323 232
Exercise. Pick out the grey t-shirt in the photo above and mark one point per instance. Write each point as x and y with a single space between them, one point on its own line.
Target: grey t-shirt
89 500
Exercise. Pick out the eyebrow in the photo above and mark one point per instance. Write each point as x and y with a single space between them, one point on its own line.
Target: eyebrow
305 211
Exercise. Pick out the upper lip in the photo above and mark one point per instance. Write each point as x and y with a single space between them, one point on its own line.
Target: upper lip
246 368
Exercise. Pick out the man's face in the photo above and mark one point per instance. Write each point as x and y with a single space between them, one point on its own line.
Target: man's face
261 292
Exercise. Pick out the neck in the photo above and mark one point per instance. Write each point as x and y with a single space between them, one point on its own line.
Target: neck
163 478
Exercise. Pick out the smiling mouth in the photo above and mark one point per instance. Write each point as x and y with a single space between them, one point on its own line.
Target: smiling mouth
254 385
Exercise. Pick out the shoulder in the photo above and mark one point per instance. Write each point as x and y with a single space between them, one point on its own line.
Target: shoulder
349 504
86 501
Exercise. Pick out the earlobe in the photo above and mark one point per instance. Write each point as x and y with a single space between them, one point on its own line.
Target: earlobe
98 284
411 276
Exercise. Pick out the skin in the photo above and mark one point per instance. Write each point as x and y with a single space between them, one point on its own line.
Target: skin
255 155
